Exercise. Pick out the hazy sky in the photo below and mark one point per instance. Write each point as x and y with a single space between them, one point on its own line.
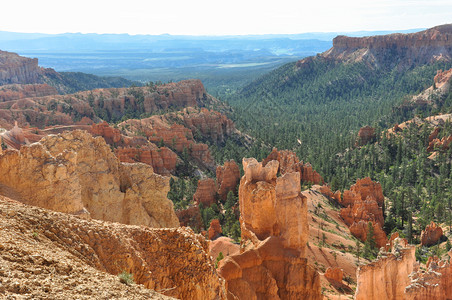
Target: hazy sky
219 17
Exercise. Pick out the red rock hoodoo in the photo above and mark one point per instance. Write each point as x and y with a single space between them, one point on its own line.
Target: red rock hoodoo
275 231
228 176
289 162
205 192
431 235
214 230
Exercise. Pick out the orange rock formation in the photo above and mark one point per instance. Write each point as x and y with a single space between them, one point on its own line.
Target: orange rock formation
275 230
228 176
288 162
214 230
431 235
381 49
365 135
363 203
191 217
21 91
334 274
205 192
435 283
387 277
78 174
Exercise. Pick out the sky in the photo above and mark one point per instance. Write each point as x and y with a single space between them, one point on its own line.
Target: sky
219 17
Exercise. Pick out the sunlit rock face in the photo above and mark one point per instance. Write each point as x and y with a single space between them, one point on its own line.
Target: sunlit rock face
275 230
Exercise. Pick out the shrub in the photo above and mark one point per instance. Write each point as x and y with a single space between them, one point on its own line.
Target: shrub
126 278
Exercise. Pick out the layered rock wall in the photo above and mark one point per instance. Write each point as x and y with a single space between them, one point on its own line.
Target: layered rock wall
387 277
18 69
76 173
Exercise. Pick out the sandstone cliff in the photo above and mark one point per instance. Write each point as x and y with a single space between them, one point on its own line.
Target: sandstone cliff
396 275
387 277
18 69
434 283
78 174
274 226
411 49
205 192
47 254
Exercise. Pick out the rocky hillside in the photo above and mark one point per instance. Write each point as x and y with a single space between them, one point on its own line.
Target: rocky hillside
15 69
45 254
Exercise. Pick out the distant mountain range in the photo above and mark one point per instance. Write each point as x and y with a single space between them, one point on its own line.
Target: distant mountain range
216 60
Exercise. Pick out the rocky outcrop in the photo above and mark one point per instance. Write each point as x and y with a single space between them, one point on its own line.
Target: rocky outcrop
162 160
228 176
39 244
111 135
326 191
387 277
441 144
334 274
289 162
360 230
76 173
274 227
21 91
205 192
175 136
366 135
209 124
364 188
214 230
411 49
363 203
18 69
224 245
434 283
431 235
396 275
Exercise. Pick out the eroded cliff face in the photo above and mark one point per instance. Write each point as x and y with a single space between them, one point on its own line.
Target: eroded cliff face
273 220
387 277
76 173
18 69
410 49
38 245
21 91
434 283
396 275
